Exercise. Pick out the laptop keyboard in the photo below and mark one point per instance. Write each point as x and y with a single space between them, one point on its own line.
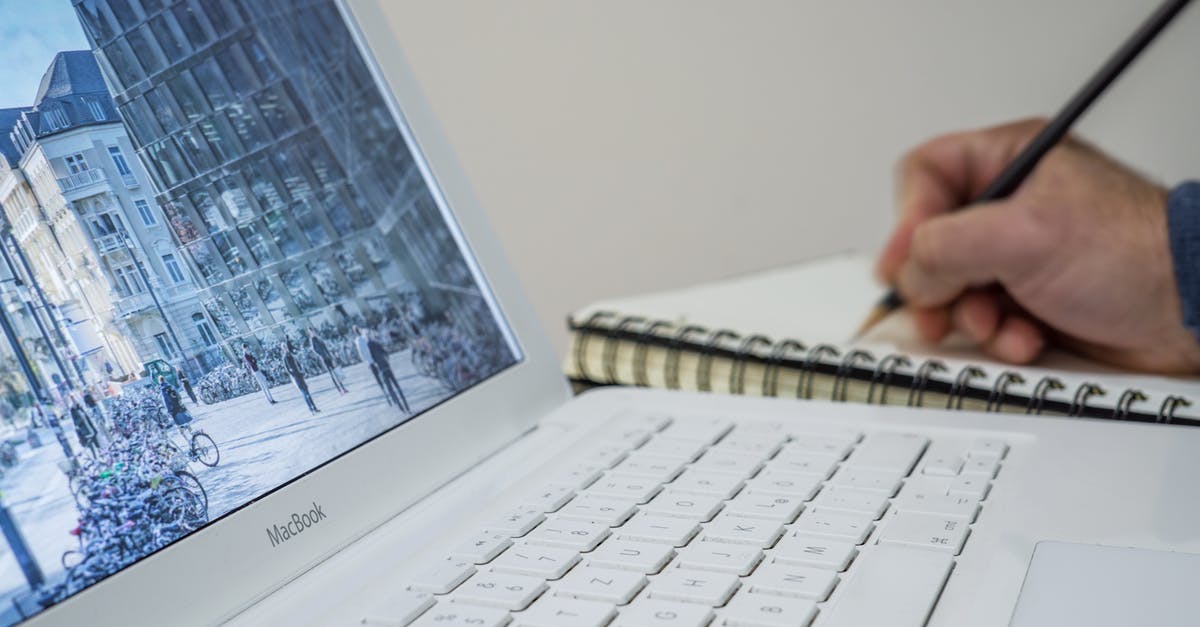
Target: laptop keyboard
698 521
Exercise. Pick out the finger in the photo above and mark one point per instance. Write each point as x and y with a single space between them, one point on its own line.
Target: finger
933 324
944 174
977 314
953 252
1018 340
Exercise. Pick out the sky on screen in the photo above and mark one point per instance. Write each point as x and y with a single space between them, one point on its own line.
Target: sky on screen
31 33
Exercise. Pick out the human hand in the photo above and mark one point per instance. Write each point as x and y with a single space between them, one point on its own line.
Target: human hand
1078 256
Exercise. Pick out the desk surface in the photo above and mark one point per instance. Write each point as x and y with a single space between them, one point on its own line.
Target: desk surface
628 146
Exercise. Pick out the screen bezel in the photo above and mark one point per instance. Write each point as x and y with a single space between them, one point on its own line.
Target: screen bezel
223 568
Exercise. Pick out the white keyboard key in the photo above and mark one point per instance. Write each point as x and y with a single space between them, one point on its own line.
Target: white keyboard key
625 487
838 447
482 548
444 576
984 467
894 452
743 465
800 486
559 612
659 469
775 507
399 609
852 500
632 437
940 533
736 559
702 481
598 509
788 580
885 482
462 615
647 527
804 462
943 466
707 430
895 586
536 561
762 610
606 455
759 443
511 592
653 422
741 530
674 448
640 557
954 506
765 427
847 526
646 612
550 498
518 522
601 584
578 535
669 502
988 447
804 550
578 476
973 486
693 586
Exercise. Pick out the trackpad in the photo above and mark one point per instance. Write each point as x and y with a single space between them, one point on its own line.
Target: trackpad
1099 586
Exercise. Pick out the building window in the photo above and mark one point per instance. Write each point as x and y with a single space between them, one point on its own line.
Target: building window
96 110
202 327
76 163
103 224
119 160
173 268
164 345
56 118
145 212
129 282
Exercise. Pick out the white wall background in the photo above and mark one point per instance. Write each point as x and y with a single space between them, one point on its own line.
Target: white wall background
623 146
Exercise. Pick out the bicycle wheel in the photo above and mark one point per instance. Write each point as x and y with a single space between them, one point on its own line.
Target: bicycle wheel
185 507
189 481
72 558
204 449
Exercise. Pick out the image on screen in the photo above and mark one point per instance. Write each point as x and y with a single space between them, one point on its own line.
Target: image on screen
221 266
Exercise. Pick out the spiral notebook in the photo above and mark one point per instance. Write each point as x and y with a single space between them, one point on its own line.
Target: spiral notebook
786 332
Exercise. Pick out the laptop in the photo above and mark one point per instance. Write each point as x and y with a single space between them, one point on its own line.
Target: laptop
430 466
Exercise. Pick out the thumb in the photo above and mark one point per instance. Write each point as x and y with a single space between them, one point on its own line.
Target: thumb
950 253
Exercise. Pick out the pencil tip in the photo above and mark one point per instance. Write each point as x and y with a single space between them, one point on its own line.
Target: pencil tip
878 313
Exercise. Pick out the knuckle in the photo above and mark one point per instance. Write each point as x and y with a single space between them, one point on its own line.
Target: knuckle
926 248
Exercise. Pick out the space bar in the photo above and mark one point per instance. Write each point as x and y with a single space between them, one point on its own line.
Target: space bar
893 585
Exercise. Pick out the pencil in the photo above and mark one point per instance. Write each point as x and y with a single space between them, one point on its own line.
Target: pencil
1019 168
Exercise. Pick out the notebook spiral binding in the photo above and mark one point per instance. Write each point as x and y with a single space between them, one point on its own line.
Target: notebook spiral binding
879 375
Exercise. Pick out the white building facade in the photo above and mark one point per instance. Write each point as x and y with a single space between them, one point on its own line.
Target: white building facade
96 240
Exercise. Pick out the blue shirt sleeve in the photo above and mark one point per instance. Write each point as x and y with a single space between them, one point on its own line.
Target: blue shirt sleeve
1183 228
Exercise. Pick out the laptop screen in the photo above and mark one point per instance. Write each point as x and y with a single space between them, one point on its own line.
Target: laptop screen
224 263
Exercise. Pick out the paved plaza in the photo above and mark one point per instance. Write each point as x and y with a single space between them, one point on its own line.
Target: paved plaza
262 446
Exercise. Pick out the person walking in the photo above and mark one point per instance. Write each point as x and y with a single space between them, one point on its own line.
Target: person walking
98 418
174 406
184 381
293 367
251 365
318 346
373 353
84 429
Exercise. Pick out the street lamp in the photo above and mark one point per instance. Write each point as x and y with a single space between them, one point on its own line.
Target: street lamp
128 241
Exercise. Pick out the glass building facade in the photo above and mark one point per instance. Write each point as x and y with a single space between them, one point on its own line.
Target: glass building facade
281 170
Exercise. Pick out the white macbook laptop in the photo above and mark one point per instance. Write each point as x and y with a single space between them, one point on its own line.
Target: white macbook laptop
381 434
